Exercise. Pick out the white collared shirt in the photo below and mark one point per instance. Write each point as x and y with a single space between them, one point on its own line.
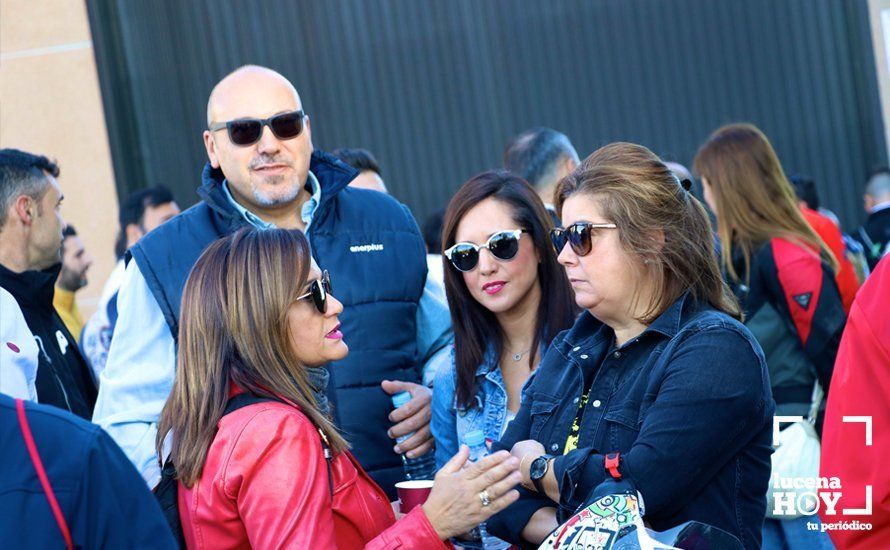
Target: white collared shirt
307 211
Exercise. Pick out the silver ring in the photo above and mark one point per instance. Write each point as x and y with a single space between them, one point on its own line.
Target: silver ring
483 496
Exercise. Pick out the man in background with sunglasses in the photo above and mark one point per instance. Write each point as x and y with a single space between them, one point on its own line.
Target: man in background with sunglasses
263 171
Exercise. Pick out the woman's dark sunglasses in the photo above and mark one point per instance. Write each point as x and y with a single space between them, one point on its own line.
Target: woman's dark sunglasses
578 235
503 245
318 291
247 131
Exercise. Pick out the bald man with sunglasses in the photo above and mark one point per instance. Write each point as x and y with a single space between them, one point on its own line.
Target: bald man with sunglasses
263 171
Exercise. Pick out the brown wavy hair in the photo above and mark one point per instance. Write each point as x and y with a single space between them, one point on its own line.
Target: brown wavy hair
658 220
754 200
475 327
234 329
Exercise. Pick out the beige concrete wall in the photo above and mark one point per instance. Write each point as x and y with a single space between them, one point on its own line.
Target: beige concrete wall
50 103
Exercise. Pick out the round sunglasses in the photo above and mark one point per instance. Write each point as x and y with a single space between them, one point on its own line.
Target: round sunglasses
578 235
247 131
319 289
503 245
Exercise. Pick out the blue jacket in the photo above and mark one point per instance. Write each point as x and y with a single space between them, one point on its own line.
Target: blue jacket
361 237
103 500
450 422
687 404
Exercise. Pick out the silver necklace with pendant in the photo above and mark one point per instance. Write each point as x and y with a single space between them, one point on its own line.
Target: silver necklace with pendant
518 356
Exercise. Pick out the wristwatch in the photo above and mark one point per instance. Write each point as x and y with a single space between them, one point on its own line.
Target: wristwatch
538 470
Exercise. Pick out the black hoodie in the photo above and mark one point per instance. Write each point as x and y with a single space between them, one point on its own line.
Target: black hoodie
63 377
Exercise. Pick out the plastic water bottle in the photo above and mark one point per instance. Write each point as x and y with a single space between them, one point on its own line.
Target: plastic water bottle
475 440
419 467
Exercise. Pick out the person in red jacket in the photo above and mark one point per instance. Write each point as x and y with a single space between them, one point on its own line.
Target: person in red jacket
846 279
861 388
258 319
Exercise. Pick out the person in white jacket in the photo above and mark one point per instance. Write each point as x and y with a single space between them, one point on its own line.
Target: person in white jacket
18 351
140 212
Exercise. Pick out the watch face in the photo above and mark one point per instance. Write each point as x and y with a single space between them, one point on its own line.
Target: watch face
538 467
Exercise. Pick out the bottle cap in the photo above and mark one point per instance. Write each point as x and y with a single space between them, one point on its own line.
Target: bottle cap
400 399
474 438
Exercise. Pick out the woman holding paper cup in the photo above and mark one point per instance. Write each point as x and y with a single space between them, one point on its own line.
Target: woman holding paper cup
258 462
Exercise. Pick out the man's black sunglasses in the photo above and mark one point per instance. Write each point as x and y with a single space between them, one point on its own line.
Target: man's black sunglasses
318 291
578 235
247 131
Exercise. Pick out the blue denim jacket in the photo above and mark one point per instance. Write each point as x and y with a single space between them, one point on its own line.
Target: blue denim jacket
450 423
687 404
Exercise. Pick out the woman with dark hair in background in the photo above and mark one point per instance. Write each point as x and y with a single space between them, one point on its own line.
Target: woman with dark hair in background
508 298
259 462
657 382
784 277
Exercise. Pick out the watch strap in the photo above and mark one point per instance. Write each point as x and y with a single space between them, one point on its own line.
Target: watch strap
538 481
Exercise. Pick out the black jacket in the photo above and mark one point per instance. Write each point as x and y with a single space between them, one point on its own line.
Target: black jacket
874 235
63 377
794 308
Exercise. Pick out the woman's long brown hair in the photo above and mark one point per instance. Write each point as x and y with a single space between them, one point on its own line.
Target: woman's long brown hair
754 200
233 329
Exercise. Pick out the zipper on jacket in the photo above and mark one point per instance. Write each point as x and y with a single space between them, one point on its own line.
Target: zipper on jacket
52 369
64 393
328 458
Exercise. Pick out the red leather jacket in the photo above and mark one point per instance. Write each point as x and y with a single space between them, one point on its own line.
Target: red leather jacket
265 485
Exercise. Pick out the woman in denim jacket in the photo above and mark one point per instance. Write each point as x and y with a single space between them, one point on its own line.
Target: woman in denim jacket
500 262
657 382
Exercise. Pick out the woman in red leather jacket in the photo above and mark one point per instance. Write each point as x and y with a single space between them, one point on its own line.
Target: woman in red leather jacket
258 323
